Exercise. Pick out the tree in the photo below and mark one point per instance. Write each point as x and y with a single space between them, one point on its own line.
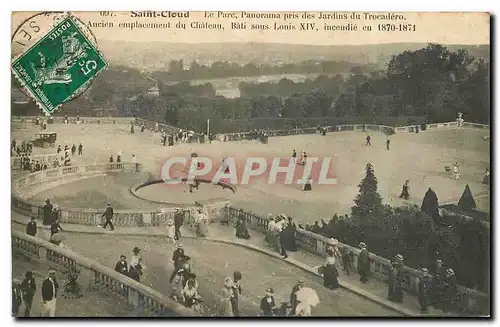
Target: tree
467 202
368 202
430 205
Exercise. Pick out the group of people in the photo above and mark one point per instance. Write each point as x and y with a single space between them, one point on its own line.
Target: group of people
368 140
66 159
133 270
24 292
185 289
280 234
25 148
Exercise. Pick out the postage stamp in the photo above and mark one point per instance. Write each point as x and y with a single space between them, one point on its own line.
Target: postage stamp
59 65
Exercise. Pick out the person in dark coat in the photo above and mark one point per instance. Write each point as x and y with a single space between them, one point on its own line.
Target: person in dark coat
47 213
291 228
54 215
80 149
111 159
449 291
293 296
396 280
135 269
346 260
73 149
241 229
236 293
179 258
363 263
55 227
267 304
330 273
388 144
49 294
122 266
282 236
178 222
439 273
31 227
368 140
108 214
424 287
17 298
28 287
405 191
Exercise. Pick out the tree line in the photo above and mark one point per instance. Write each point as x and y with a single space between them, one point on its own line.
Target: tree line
220 69
421 234
433 83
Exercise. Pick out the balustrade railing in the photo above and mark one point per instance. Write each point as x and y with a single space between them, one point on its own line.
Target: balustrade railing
469 300
344 128
92 216
101 278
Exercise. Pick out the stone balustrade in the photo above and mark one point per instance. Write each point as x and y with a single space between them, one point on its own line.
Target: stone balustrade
91 216
470 300
344 128
101 277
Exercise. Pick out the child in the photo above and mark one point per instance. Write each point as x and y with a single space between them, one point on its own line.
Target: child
170 231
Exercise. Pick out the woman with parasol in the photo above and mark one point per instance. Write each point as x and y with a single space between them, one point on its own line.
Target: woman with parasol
307 298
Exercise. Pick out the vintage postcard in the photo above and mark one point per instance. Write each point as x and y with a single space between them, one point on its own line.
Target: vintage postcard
250 164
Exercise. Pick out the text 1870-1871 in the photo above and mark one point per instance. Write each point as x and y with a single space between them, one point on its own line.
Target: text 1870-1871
396 27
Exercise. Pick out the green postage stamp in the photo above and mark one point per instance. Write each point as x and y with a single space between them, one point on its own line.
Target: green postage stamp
58 66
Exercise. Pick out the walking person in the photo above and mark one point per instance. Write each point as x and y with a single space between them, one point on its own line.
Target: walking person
368 140
73 149
55 227
387 144
49 295
450 291
424 287
108 214
224 307
293 296
122 266
330 273
236 293
47 213
396 280
135 271
80 149
282 236
31 227
267 304
170 231
363 263
178 222
405 191
437 285
28 287
17 299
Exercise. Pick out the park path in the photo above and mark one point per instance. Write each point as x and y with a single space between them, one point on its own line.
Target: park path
124 238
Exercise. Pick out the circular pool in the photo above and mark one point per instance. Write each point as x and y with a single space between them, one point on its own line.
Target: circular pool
157 191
